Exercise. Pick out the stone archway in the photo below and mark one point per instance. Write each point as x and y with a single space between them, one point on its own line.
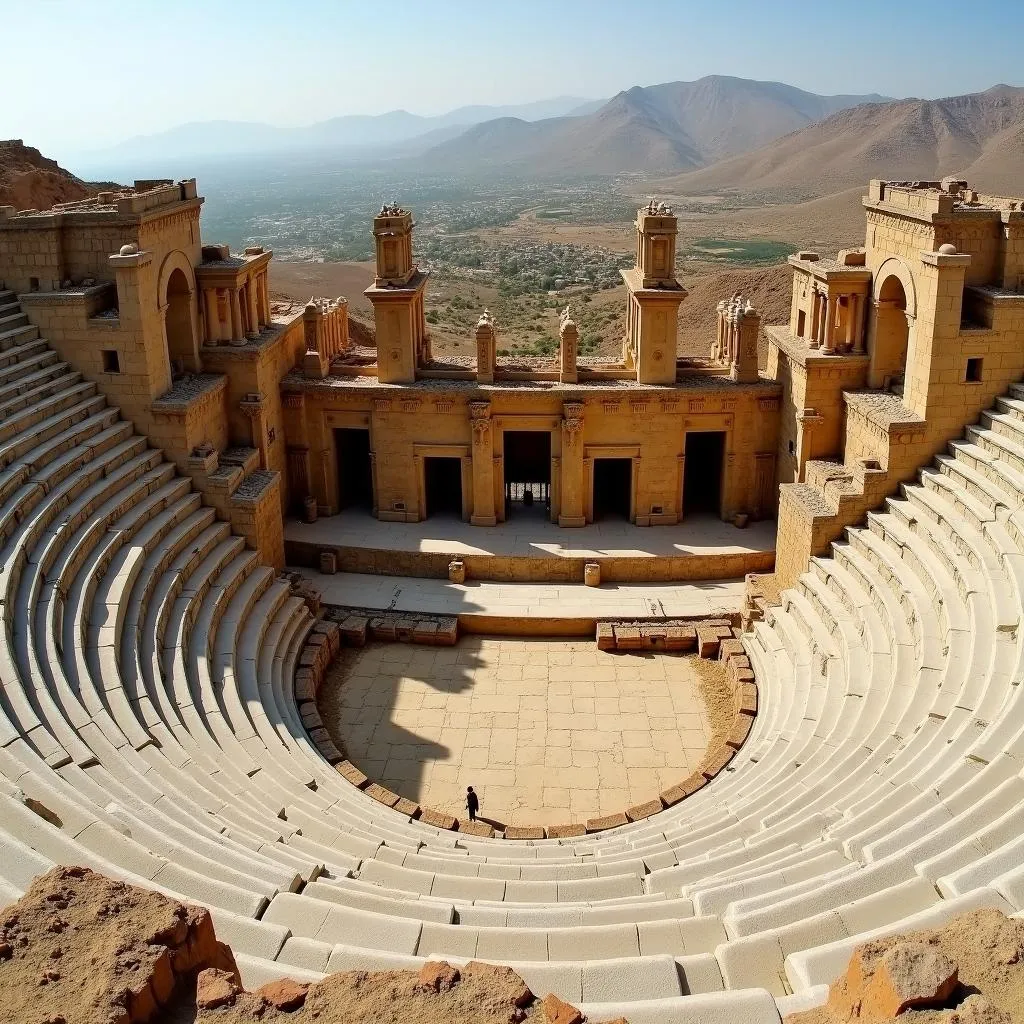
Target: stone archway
177 294
894 310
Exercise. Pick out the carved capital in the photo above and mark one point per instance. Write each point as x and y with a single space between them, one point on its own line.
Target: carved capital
572 422
480 421
252 405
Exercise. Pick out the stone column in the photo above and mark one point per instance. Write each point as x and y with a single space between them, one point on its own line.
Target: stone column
830 324
237 336
805 420
860 305
486 348
815 318
568 339
223 315
210 320
851 309
483 464
571 491
264 305
253 409
250 297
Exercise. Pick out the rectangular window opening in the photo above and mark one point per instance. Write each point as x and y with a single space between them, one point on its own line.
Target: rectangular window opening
111 361
974 370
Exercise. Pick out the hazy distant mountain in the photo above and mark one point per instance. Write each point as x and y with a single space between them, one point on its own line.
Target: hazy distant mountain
979 136
675 126
215 139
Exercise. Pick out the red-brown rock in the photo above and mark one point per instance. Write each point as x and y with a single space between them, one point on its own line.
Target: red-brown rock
438 976
558 1011
284 994
214 989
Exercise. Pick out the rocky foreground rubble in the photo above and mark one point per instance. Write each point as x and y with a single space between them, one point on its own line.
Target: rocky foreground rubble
969 972
79 948
438 994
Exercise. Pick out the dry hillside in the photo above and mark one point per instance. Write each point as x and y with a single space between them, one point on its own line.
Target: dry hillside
299 281
826 224
979 136
769 289
30 181
674 126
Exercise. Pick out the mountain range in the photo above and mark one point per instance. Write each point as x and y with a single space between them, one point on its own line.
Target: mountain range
216 139
675 126
715 133
979 136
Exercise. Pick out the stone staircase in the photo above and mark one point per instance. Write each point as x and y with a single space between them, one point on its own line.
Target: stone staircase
149 730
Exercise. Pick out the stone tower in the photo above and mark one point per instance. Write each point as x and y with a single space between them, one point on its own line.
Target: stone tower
397 296
654 297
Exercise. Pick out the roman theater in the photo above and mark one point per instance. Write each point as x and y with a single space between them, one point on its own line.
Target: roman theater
730 647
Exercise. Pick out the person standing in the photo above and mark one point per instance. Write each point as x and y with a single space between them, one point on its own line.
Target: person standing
472 803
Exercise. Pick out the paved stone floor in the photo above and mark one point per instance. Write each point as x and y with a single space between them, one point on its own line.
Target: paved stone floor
546 731
532 535
529 600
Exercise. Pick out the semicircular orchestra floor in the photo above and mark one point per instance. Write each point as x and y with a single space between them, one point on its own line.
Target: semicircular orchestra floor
547 731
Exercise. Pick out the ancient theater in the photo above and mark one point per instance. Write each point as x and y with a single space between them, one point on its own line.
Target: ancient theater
729 647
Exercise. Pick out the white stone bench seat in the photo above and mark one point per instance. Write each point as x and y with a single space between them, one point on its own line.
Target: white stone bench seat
84 519
17 431
18 378
66 387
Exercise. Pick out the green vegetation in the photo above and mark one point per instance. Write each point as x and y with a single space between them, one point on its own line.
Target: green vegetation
744 251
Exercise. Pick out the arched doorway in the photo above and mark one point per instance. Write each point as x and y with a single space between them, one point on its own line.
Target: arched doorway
891 337
181 339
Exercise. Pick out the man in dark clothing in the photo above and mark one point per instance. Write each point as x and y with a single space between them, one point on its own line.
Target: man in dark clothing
472 803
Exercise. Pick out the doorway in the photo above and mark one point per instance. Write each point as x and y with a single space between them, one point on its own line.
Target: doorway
613 489
891 337
355 473
181 342
702 476
527 459
442 477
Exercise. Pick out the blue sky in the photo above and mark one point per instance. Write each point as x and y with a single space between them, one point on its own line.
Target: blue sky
79 74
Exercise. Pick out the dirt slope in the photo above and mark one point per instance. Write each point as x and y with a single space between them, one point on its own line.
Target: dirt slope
31 181
299 281
769 289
